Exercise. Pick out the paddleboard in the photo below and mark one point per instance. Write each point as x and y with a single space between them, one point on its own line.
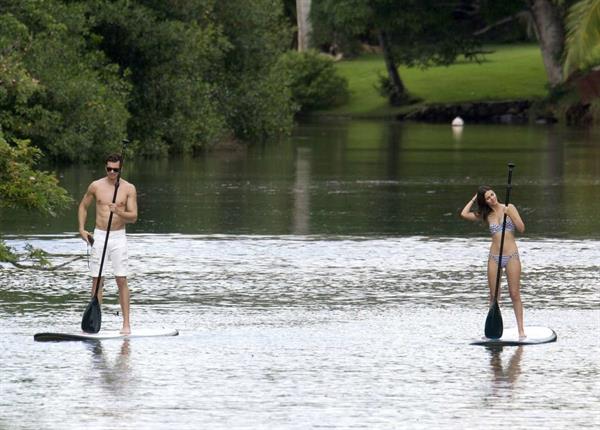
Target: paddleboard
510 337
103 334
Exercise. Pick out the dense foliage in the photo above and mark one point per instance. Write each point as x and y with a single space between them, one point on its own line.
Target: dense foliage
77 76
56 89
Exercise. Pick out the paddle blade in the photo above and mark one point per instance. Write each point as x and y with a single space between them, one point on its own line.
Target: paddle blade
92 317
493 322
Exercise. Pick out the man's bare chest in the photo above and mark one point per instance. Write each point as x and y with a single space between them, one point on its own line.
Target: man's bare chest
104 195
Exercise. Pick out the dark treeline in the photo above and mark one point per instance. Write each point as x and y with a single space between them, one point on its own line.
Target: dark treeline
174 76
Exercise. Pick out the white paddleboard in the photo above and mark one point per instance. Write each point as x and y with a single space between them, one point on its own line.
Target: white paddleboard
510 337
103 334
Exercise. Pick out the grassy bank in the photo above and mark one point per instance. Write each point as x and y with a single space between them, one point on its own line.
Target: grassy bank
506 73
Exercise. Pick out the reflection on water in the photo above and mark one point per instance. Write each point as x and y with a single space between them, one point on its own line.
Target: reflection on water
301 211
505 376
302 332
114 373
359 178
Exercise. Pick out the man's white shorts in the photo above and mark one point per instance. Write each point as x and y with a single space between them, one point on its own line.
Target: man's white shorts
116 253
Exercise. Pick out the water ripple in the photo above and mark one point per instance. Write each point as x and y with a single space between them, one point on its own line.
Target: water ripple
303 332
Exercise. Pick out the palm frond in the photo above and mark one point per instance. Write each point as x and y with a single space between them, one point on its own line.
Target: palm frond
583 35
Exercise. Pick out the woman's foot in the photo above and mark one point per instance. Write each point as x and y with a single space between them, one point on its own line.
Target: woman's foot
125 330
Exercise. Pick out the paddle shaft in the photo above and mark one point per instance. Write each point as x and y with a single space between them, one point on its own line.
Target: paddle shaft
508 188
110 217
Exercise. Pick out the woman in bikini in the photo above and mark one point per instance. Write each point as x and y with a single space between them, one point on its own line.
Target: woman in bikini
492 212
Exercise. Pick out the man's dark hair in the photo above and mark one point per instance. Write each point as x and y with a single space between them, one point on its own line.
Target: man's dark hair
114 158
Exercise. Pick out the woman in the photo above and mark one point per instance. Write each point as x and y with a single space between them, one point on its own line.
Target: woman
492 212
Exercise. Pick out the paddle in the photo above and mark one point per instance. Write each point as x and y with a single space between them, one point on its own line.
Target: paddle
92 316
493 322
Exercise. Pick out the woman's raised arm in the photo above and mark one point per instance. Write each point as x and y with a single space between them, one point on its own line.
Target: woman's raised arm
466 212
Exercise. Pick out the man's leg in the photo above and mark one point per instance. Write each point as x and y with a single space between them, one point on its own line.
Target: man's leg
124 301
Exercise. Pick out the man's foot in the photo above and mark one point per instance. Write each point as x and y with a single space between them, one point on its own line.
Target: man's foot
125 330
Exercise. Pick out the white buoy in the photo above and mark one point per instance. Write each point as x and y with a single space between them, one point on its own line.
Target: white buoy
457 128
458 122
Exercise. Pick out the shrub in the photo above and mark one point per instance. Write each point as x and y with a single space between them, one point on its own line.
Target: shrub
313 80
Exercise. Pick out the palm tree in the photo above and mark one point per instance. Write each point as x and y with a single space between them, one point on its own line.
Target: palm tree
583 36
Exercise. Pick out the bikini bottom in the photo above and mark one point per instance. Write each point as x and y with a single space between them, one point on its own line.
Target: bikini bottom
505 258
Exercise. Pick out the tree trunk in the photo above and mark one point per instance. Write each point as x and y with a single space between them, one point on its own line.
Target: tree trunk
397 90
304 27
549 24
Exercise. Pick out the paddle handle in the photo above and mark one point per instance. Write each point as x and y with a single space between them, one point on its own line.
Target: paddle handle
511 166
125 142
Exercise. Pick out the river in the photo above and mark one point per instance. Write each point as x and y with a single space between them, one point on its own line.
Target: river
322 282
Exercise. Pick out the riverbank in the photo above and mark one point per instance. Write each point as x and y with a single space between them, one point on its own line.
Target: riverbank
507 85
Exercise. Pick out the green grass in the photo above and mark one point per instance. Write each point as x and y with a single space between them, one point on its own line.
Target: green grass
508 73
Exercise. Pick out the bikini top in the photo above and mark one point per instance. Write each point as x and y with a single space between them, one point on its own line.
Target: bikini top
497 228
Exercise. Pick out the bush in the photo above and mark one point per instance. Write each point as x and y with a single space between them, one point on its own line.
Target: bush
313 80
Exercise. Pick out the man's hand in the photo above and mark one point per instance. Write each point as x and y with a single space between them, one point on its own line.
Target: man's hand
113 208
87 236
127 212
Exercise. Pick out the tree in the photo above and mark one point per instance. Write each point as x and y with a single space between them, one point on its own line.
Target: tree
253 95
304 27
74 107
167 50
409 32
548 16
545 17
201 70
175 76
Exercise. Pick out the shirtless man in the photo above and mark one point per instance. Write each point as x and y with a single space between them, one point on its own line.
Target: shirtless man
124 212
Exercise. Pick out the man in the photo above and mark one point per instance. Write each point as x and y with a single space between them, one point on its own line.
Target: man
124 211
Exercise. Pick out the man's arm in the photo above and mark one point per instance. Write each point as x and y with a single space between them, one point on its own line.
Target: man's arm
82 211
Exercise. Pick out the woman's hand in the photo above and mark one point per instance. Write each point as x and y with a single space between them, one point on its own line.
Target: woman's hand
513 213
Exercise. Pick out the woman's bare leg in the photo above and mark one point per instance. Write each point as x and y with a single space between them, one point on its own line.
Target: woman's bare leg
513 274
492 272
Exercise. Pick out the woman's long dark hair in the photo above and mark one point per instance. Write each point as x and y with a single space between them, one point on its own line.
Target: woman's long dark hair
483 208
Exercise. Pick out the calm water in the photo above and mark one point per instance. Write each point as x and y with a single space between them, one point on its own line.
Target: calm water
359 178
325 282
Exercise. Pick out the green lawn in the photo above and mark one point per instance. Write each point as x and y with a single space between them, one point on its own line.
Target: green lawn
508 73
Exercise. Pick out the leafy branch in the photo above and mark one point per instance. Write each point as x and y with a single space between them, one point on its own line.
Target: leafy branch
40 259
